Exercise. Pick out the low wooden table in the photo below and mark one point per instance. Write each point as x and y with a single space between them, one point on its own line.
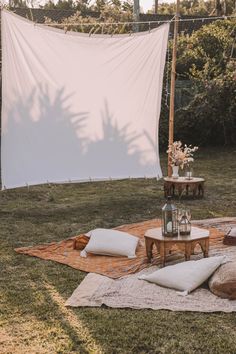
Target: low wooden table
182 184
185 244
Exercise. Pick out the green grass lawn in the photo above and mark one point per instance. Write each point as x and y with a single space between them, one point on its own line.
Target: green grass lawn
33 291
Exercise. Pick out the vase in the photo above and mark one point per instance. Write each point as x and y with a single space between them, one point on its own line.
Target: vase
175 171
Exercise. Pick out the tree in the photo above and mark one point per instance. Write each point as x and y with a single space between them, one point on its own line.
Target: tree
17 3
207 59
200 7
127 6
207 51
108 13
80 5
99 5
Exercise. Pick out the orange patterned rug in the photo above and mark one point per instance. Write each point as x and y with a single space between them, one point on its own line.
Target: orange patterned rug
113 267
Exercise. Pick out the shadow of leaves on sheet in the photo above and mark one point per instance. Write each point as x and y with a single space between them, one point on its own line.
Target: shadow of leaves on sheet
45 141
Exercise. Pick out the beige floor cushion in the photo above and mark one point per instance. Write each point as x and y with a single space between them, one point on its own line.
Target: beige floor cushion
230 238
223 281
111 243
185 276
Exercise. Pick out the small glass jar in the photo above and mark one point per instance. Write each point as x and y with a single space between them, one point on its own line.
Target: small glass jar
169 219
189 172
185 224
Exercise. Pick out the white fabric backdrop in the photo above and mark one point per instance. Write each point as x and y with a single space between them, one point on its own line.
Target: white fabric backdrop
77 107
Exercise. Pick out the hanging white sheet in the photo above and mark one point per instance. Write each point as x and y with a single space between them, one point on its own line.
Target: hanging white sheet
76 107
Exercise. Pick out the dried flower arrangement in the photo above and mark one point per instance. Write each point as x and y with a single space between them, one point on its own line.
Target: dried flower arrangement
181 155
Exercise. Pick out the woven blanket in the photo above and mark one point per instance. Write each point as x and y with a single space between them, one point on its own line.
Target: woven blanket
130 292
116 267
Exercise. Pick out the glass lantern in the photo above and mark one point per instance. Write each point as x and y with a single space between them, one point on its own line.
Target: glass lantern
169 219
185 224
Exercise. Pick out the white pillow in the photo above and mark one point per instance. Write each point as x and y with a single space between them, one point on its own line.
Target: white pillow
110 243
185 276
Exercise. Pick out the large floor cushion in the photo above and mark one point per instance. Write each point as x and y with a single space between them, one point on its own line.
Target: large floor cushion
185 276
223 281
111 243
230 238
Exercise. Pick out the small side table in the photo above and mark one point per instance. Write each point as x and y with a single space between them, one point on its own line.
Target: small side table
181 184
185 244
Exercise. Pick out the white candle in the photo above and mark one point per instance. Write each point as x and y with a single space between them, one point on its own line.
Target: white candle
169 226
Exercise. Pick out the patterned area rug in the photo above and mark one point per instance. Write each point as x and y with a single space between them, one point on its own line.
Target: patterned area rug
116 267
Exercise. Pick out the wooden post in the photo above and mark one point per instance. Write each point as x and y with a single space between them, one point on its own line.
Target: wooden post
156 7
172 85
136 12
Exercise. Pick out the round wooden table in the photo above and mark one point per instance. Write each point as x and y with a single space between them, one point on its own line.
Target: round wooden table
177 186
186 244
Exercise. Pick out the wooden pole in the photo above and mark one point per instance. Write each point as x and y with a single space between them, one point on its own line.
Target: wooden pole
172 85
136 13
156 6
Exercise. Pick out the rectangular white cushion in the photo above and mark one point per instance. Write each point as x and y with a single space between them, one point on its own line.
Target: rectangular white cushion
110 243
185 276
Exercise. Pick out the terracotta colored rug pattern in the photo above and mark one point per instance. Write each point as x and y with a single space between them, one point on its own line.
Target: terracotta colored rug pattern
113 267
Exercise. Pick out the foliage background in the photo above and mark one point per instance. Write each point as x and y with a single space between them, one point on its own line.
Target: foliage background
206 67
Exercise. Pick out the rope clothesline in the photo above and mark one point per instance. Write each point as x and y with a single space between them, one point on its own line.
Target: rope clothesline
138 22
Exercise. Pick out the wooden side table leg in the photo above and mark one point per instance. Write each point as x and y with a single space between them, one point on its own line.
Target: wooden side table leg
180 191
187 189
172 190
205 247
161 247
192 247
194 191
206 250
188 250
149 246
201 189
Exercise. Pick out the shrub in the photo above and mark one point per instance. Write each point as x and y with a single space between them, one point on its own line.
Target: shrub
207 59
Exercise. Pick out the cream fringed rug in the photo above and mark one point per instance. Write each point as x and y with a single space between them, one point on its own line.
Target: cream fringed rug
130 292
